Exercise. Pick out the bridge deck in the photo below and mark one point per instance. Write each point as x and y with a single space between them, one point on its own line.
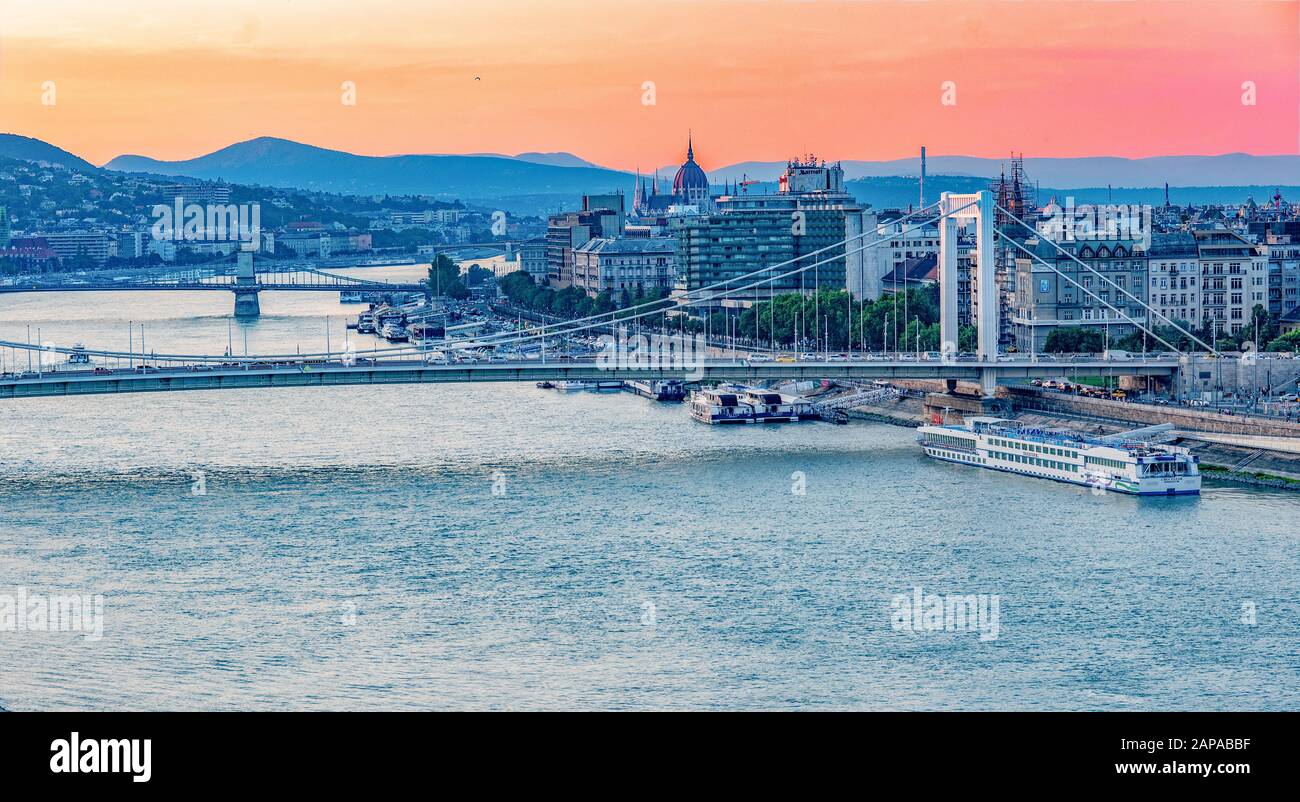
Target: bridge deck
228 286
87 382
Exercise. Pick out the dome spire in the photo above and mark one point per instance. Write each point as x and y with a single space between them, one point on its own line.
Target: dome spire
690 146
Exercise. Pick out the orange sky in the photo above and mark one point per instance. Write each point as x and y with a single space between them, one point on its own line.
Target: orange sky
755 80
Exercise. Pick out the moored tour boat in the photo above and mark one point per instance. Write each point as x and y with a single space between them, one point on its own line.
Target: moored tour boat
735 404
1110 463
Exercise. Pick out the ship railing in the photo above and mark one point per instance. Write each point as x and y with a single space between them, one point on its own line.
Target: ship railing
970 449
1067 441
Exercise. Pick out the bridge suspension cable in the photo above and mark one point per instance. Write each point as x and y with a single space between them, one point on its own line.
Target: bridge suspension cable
593 321
1089 292
565 328
547 332
665 304
1103 277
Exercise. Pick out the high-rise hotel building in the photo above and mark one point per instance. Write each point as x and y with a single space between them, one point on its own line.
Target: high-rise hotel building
810 216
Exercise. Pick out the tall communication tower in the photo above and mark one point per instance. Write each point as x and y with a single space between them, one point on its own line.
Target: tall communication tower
922 206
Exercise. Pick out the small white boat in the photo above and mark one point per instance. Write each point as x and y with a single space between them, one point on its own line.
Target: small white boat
573 386
665 390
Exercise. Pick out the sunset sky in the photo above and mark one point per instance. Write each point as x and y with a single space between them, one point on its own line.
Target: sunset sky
754 80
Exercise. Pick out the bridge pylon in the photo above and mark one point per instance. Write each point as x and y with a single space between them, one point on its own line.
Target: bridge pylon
246 287
977 208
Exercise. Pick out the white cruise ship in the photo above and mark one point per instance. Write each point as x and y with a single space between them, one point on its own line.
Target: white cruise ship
1111 463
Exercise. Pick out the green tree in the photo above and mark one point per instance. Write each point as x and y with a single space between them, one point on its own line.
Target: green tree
1265 323
444 279
968 338
476 275
1074 340
1286 342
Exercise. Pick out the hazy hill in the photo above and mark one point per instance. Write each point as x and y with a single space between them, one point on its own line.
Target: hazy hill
279 162
25 148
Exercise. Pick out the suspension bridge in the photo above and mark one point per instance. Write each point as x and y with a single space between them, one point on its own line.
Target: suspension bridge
246 282
411 364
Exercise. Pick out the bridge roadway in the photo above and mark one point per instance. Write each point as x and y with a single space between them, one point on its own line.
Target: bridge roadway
289 373
228 286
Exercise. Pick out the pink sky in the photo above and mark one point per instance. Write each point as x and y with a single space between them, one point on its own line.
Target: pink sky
755 80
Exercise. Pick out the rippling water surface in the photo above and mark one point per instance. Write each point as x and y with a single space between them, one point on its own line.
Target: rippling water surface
350 552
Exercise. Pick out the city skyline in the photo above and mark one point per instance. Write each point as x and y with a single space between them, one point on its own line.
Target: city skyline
1124 80
695 355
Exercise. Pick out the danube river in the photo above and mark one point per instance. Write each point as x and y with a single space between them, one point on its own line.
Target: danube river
501 546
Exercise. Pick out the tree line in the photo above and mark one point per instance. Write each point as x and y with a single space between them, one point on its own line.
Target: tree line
1263 332
825 319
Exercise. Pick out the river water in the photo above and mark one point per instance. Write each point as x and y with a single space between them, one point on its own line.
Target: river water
501 546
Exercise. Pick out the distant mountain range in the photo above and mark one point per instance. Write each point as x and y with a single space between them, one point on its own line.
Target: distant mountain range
282 163
547 181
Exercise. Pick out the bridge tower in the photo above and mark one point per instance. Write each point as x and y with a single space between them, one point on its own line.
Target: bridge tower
984 283
246 289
